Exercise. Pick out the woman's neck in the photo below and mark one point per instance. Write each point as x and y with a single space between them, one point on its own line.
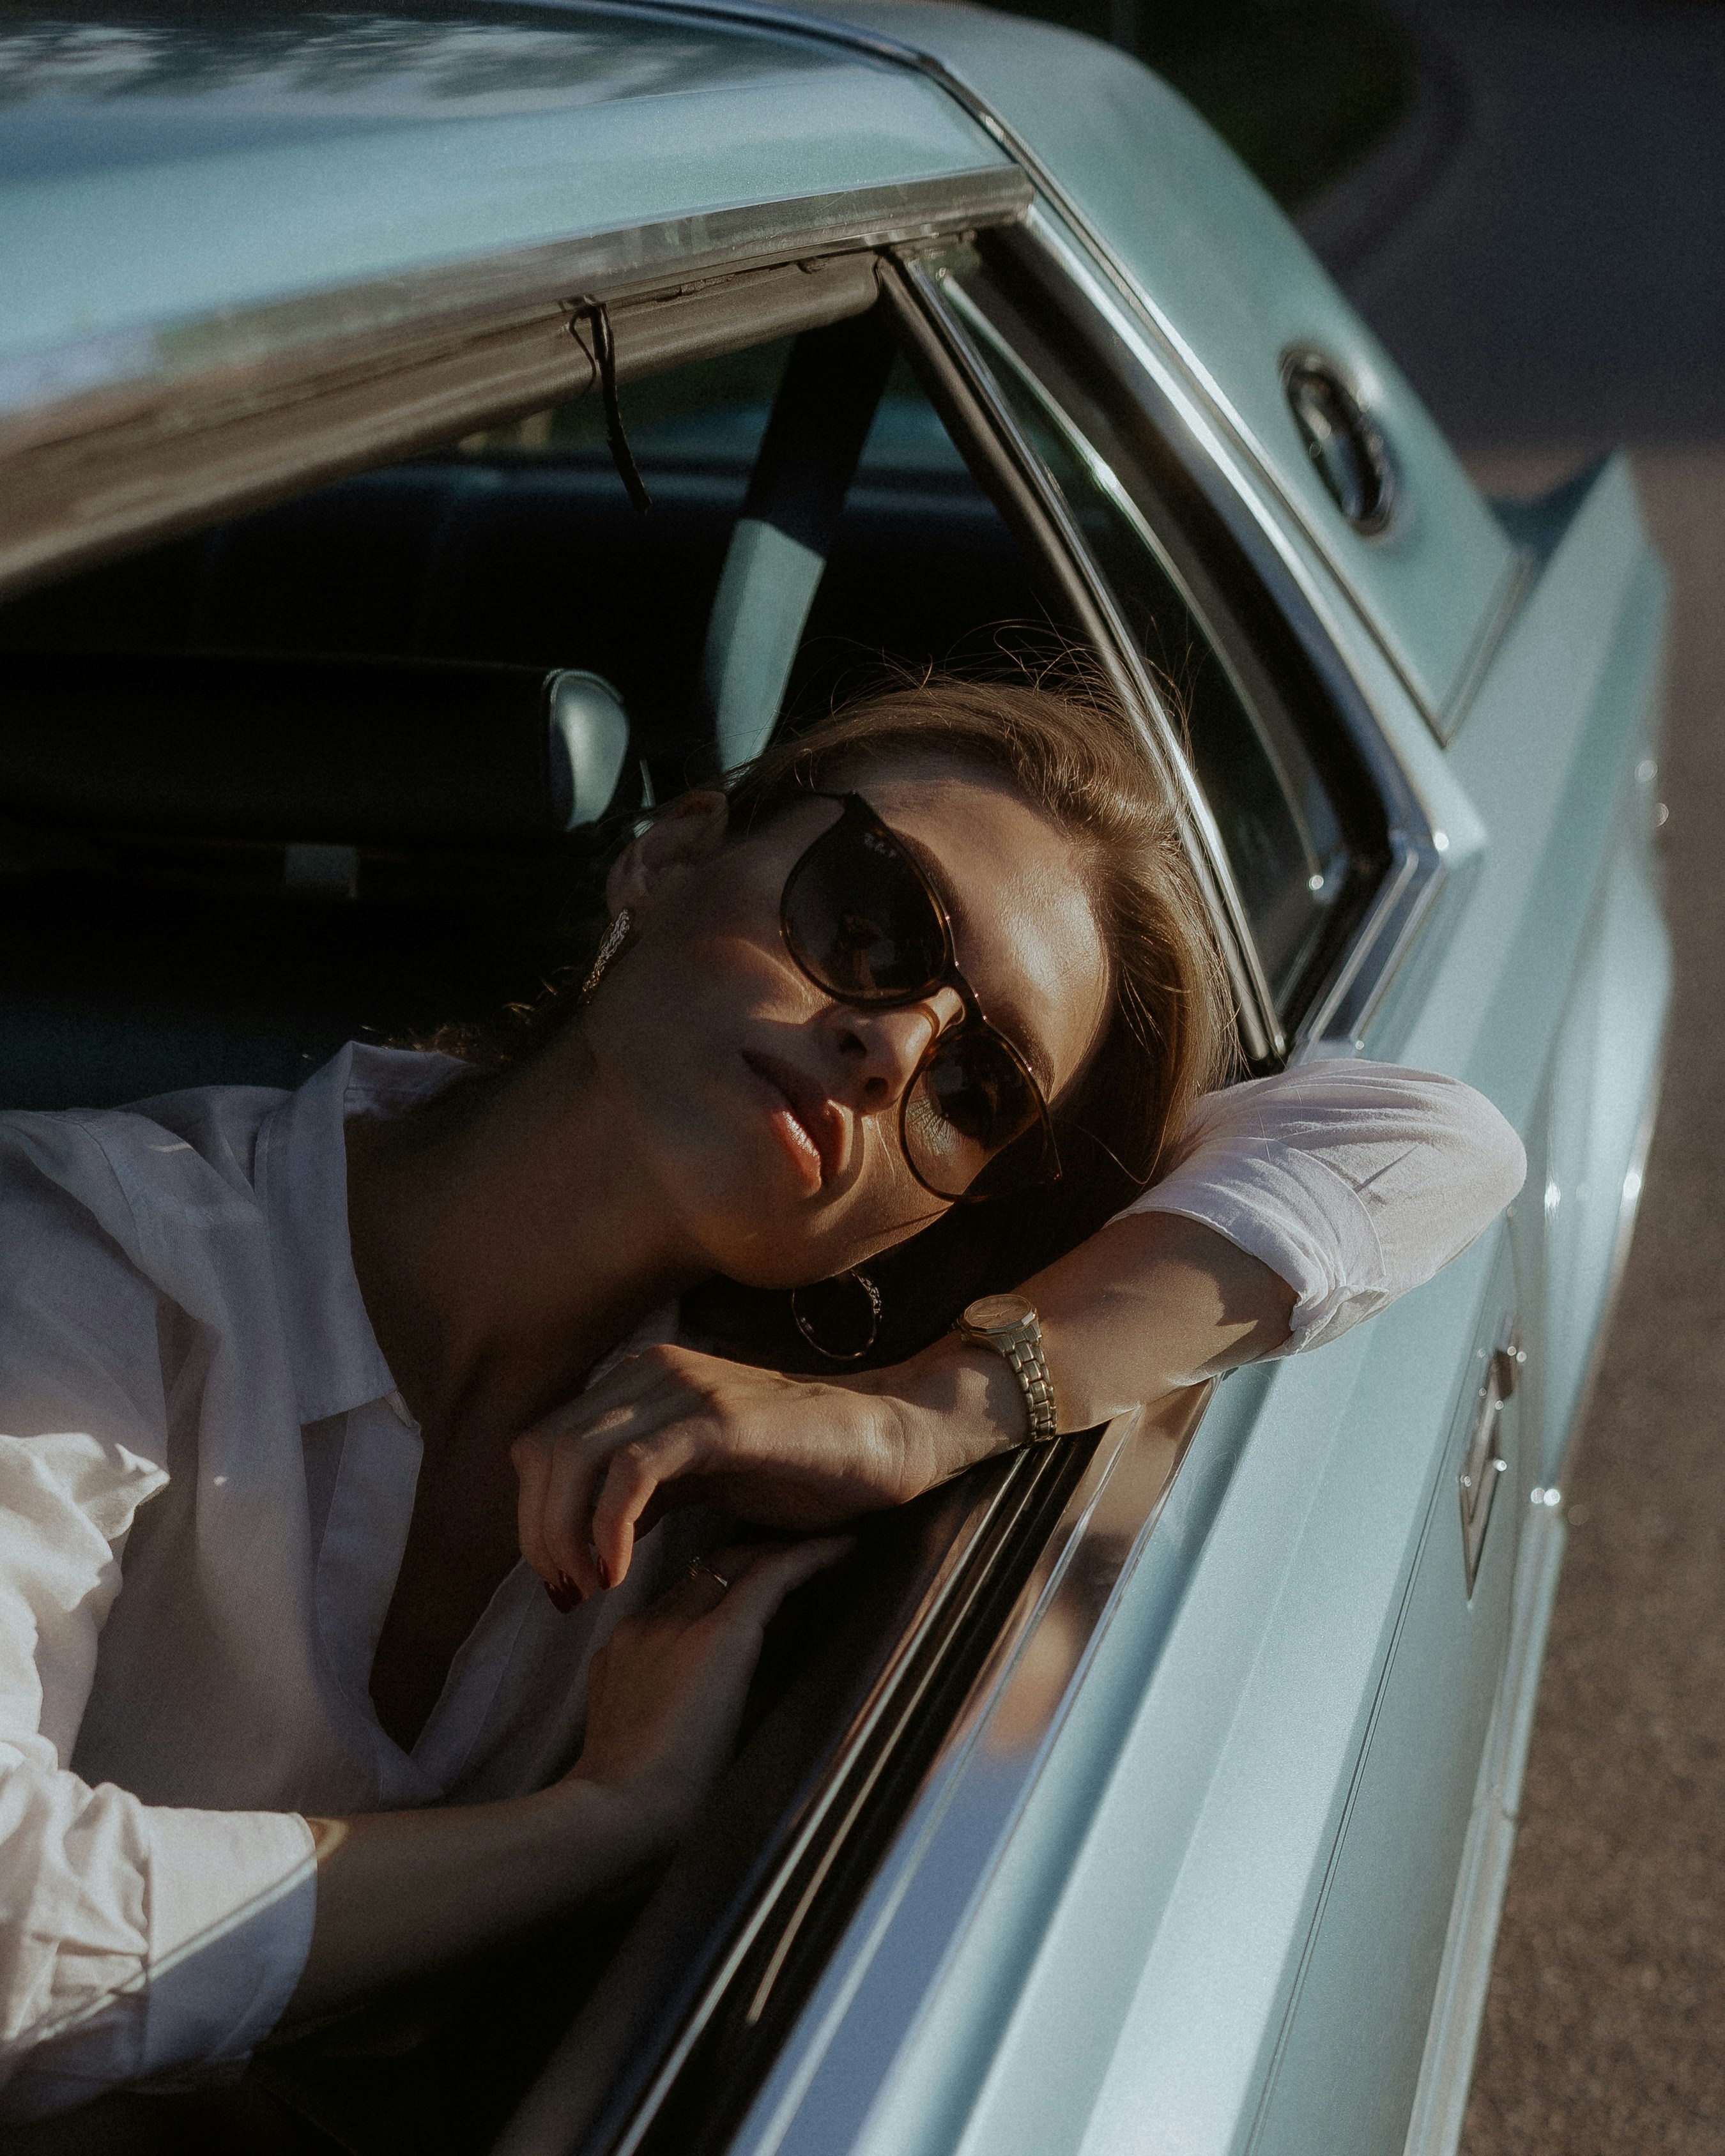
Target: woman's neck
505 1239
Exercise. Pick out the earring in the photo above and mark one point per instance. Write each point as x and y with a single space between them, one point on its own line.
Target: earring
616 936
845 1331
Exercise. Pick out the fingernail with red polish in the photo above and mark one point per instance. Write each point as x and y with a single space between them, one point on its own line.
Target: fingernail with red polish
564 1594
604 1573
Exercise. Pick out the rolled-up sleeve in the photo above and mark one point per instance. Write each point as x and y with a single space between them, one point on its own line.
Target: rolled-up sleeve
1354 1182
136 1941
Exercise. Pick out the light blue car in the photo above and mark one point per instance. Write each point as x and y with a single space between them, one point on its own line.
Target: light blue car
1163 1798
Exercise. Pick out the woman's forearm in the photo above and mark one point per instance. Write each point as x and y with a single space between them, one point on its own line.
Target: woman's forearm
1151 1302
402 1893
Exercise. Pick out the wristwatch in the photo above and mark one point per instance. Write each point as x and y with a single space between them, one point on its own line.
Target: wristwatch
1007 1323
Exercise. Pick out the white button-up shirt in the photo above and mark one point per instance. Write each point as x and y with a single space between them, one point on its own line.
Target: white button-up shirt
206 1488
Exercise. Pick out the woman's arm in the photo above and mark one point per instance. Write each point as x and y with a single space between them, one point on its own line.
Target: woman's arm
134 1938
1301 1203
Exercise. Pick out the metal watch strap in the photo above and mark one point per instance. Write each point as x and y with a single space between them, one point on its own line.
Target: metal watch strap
1027 1363
1019 1347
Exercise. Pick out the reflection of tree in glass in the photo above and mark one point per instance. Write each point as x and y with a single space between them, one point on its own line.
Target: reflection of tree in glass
201 50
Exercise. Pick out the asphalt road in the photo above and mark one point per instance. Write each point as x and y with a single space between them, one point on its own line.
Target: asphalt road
1544 250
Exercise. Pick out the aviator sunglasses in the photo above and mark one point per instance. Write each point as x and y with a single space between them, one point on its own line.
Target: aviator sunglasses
867 927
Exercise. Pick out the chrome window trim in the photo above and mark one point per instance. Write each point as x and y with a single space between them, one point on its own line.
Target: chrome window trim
1261 1032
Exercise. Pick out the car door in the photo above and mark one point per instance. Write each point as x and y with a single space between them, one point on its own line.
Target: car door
1306 837
1270 1925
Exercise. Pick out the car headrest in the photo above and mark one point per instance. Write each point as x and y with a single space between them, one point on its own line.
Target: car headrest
347 752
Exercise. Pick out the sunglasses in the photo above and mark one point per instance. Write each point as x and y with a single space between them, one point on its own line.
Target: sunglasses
868 928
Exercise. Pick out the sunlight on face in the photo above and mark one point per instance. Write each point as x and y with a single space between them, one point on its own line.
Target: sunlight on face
766 1112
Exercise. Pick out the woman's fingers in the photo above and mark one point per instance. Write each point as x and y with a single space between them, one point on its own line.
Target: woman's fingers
560 1469
566 1501
765 1578
632 1477
532 1456
671 1422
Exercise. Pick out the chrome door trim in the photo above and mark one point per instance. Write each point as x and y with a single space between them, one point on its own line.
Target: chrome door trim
940 307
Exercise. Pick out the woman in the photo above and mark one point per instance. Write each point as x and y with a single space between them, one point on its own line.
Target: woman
310 1367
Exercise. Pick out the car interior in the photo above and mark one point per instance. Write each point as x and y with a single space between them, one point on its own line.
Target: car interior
349 764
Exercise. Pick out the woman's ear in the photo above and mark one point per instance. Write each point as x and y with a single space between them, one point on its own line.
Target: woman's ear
691 830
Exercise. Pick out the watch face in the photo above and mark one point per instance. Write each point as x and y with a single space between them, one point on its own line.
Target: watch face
994 1313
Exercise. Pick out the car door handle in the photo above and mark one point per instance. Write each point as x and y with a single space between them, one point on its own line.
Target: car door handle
1483 1465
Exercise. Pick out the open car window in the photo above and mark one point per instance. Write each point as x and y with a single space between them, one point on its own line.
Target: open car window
327 769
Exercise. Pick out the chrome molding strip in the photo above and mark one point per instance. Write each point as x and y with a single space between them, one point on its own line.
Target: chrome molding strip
1338 1021
1342 1010
986 344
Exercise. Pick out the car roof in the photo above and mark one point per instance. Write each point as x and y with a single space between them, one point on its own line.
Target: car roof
167 172
163 166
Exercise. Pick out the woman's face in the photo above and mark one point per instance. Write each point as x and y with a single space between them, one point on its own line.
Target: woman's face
766 1114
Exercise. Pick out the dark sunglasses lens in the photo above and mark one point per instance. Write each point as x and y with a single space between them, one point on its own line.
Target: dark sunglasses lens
971 1101
859 919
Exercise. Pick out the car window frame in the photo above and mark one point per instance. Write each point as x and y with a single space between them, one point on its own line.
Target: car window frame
108 445
958 380
1287 711
1167 385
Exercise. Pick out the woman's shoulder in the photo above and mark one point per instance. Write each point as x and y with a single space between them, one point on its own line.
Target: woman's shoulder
120 1172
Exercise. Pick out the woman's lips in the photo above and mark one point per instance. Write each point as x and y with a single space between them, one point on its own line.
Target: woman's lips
809 1122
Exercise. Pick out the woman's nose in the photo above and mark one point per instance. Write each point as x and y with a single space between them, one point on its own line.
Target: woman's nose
880 1050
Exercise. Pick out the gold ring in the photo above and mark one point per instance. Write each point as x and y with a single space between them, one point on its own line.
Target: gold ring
703 1568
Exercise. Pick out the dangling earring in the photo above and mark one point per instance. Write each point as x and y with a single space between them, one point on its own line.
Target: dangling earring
616 936
872 1305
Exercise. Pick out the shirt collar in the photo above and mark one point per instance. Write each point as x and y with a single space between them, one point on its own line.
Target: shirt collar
302 1177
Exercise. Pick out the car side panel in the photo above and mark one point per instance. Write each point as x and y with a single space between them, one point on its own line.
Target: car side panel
1343 2077
1179 1847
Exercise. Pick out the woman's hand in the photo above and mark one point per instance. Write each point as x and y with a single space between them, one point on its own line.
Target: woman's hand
1151 1303
671 1426
399 1893
666 1692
